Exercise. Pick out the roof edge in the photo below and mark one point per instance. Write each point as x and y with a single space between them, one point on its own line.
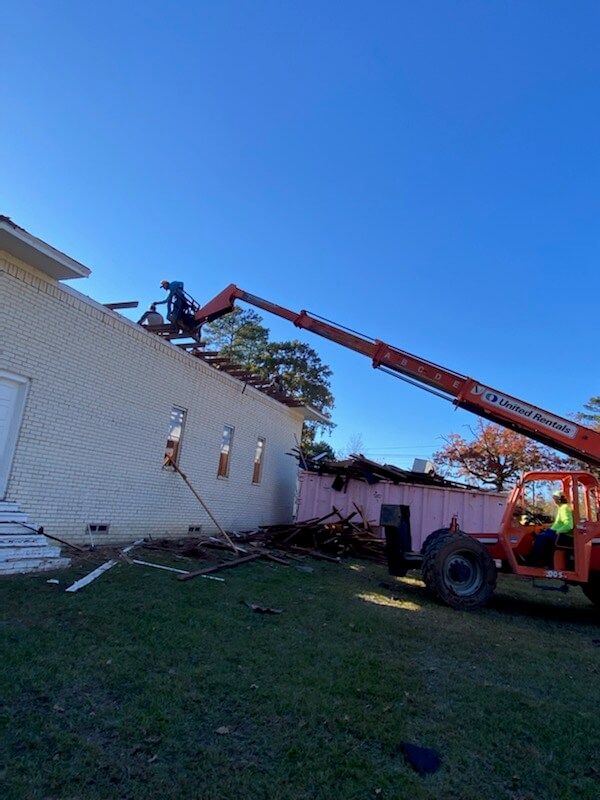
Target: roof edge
39 254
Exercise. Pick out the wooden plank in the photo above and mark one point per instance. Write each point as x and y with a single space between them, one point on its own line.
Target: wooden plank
225 565
61 541
128 304
277 560
361 511
219 546
130 547
160 566
315 554
75 587
342 518
169 462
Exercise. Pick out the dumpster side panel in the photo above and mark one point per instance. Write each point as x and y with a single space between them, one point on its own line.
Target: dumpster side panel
431 507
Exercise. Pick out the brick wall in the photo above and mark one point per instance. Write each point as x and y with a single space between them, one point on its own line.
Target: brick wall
96 420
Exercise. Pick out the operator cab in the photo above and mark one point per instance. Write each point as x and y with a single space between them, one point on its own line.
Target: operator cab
531 509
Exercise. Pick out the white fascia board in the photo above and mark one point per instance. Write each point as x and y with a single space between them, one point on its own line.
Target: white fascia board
33 251
310 413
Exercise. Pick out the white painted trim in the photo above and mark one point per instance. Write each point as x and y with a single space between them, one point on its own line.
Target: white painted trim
160 566
74 587
21 244
13 436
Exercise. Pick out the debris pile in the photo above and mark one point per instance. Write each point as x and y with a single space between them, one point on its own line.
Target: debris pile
331 537
359 468
183 548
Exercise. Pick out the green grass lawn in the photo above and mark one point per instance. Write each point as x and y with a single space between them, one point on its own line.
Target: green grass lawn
141 686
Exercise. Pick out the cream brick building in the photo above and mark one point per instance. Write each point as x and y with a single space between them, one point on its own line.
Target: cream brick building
86 399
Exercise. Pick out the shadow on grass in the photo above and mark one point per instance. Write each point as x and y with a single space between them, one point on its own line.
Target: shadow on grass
544 609
513 598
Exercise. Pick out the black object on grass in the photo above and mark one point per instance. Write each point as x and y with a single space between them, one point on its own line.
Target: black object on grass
422 759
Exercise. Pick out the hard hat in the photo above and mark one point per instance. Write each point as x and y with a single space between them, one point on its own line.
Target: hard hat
558 494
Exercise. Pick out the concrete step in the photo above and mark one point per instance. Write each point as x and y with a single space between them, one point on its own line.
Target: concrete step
12 516
21 540
14 530
21 550
16 553
26 565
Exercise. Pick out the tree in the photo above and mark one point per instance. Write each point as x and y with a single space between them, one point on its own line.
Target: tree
496 456
591 416
294 366
354 446
591 419
240 336
318 448
299 370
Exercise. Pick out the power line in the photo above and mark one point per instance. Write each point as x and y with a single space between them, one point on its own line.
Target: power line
393 449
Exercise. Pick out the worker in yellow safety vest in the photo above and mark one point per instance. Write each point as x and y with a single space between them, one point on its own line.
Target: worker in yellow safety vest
561 532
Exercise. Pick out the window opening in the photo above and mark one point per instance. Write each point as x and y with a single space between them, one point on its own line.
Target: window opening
258 460
225 454
176 424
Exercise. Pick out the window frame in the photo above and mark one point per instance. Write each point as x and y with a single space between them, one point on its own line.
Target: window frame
257 480
226 456
178 442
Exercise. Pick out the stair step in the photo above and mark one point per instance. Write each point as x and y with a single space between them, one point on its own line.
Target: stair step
15 530
26 540
12 516
17 553
7 505
33 565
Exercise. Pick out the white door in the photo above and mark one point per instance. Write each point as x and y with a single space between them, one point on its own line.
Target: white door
12 400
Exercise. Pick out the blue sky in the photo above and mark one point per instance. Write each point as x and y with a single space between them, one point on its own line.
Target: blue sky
426 173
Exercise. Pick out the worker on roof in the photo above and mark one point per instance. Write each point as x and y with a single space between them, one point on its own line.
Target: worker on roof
151 317
560 533
175 300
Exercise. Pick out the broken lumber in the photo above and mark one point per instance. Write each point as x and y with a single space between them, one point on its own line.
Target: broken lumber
130 547
276 559
366 522
74 587
315 554
159 566
171 569
169 462
216 567
42 532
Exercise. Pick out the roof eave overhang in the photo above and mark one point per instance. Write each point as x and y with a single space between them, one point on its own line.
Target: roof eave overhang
312 415
33 251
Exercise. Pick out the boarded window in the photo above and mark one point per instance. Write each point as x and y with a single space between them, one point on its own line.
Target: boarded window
176 423
258 460
225 454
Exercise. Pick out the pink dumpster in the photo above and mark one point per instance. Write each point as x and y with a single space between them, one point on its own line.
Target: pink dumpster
431 507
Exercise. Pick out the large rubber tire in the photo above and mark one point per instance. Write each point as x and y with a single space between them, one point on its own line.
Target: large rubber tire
591 589
432 538
459 571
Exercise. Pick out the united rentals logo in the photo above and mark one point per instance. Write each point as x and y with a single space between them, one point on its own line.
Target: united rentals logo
523 410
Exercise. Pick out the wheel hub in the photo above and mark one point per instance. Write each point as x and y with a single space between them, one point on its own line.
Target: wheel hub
463 573
459 571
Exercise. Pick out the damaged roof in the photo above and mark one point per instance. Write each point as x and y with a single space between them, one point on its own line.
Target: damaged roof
223 364
358 467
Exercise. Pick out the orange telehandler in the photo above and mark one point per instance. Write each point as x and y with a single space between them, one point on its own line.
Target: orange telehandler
460 568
